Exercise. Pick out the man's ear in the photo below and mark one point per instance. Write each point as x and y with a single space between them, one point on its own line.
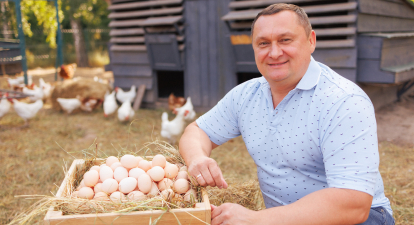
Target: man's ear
312 41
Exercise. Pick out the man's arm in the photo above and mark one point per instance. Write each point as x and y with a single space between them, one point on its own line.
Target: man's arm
326 206
195 147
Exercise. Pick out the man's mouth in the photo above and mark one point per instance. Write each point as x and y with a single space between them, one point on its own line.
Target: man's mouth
277 64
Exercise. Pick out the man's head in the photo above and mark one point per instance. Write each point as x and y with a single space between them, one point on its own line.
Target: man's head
283 42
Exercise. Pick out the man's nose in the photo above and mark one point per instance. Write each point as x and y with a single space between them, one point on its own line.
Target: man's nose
275 51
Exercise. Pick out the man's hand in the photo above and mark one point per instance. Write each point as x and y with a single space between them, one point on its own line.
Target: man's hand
230 213
210 172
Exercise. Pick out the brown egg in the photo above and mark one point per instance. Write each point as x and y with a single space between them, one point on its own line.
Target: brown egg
144 183
86 192
184 168
190 196
129 161
127 185
97 168
165 184
106 173
101 196
110 160
136 172
81 185
139 158
167 194
181 186
145 165
157 173
159 160
120 173
115 165
137 196
182 175
171 171
91 178
117 197
109 186
97 188
154 190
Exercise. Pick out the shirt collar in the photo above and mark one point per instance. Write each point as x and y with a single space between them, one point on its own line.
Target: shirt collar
309 80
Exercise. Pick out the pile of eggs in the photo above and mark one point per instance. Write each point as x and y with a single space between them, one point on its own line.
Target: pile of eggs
134 179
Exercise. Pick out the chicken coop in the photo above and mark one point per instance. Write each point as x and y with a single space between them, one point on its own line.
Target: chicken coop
202 48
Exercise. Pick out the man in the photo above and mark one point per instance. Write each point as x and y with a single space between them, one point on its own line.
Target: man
311 133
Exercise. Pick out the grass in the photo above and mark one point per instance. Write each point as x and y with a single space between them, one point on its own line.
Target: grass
33 158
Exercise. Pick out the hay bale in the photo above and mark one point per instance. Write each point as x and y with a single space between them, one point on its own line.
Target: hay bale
84 88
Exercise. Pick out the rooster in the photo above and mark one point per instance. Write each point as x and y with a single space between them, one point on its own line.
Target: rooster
125 112
123 96
175 102
109 104
174 128
69 104
4 105
67 71
188 106
27 111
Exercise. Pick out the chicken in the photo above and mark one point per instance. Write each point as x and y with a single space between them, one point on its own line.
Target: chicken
109 104
69 104
123 96
46 88
89 104
125 112
35 94
175 102
4 105
189 107
67 71
27 111
17 84
174 128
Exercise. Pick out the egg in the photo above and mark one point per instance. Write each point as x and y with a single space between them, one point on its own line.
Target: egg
136 172
137 196
86 192
181 186
109 186
81 185
167 194
97 168
106 173
159 160
128 185
101 196
129 161
154 190
144 183
190 196
91 178
182 175
111 160
165 184
120 173
139 158
145 165
184 168
115 165
117 197
97 188
171 171
157 173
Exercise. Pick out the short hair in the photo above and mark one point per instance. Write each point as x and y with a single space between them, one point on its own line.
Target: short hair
279 7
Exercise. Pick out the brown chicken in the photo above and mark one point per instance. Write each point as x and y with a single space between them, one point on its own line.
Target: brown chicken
175 102
67 71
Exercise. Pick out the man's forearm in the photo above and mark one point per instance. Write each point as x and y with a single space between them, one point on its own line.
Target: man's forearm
327 206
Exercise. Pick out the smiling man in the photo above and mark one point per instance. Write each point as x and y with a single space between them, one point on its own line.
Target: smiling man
311 133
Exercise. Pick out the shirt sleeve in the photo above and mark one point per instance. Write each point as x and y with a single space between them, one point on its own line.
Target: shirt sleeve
349 145
221 123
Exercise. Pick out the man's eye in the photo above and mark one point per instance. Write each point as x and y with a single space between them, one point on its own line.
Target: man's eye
263 43
285 40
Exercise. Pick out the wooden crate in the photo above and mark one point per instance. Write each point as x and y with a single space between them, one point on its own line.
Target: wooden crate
201 214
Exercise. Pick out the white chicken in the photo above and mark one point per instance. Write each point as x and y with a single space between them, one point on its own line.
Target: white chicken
174 128
123 96
19 80
189 107
35 94
4 105
26 110
69 104
109 104
46 88
89 104
125 112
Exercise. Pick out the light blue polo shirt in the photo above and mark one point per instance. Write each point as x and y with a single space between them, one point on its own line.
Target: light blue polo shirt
322 134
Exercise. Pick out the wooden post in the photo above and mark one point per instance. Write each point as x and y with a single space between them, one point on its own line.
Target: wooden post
138 98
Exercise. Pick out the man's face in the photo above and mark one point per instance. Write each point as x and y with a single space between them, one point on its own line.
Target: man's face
281 47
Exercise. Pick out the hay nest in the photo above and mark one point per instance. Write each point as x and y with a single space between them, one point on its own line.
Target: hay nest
87 89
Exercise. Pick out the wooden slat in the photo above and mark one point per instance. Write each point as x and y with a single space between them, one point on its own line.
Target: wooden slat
314 21
145 13
349 43
164 29
138 48
397 52
127 40
335 31
336 57
252 4
127 23
159 21
126 32
252 13
386 8
373 23
137 5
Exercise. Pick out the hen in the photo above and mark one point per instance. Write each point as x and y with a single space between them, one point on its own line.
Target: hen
189 107
69 104
125 112
27 111
175 102
67 71
89 104
4 105
174 128
46 88
109 104
123 96
35 94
